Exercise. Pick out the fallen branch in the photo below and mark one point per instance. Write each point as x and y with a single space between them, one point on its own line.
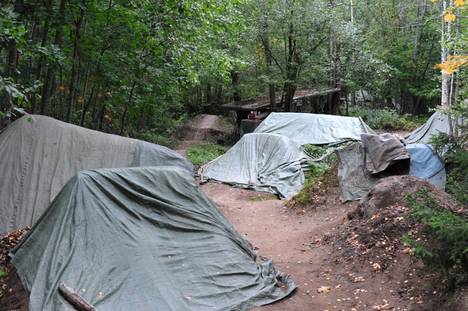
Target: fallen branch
74 299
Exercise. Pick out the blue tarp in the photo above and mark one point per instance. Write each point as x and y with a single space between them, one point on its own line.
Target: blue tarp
426 164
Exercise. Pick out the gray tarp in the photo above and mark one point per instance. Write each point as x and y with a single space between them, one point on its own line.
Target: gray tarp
263 162
316 129
382 151
426 164
436 124
40 154
355 181
142 239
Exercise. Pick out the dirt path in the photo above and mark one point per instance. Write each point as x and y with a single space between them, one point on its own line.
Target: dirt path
292 239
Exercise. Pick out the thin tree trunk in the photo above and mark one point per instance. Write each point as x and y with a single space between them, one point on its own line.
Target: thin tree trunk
75 66
125 112
47 89
265 36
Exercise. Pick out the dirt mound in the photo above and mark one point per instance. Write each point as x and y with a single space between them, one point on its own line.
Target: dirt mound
12 294
322 192
370 241
392 191
206 127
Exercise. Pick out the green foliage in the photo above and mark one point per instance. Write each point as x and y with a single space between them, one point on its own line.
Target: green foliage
443 244
316 170
205 152
386 119
3 273
156 138
315 151
452 149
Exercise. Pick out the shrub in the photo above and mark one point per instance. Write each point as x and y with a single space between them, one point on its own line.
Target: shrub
156 138
443 243
205 152
452 149
386 119
315 151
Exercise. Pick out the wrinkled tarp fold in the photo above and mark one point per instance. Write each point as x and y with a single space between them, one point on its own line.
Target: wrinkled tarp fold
382 151
354 179
315 129
142 239
40 154
263 162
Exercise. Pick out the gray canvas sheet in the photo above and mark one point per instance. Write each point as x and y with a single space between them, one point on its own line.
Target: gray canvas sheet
436 124
40 154
316 129
354 179
382 151
427 165
263 162
142 239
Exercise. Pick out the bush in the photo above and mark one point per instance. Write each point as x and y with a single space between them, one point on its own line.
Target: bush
443 243
156 138
315 151
205 152
452 149
386 119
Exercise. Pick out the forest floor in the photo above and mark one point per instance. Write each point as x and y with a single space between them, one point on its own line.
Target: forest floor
296 240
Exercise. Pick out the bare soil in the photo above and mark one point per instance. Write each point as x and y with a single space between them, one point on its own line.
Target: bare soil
304 243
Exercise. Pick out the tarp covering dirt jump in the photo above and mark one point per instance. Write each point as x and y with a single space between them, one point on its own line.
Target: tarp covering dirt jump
263 162
142 239
316 129
426 164
436 124
382 151
40 154
354 179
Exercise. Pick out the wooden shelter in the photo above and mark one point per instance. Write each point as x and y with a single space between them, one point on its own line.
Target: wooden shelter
313 101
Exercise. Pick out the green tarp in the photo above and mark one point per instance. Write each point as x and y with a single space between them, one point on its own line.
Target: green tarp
142 239
40 154
263 162
315 129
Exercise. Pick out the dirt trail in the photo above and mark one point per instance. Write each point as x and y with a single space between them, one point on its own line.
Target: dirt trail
292 239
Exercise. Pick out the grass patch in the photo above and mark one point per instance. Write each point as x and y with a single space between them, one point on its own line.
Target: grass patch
205 152
264 197
3 273
316 171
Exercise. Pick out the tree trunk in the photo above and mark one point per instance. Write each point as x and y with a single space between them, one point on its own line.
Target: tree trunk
47 89
75 66
265 36
446 30
125 112
235 85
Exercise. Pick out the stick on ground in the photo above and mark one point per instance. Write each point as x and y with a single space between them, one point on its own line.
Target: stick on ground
74 299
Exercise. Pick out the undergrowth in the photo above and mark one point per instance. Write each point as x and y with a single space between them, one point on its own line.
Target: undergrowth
315 151
205 152
443 243
320 177
386 119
